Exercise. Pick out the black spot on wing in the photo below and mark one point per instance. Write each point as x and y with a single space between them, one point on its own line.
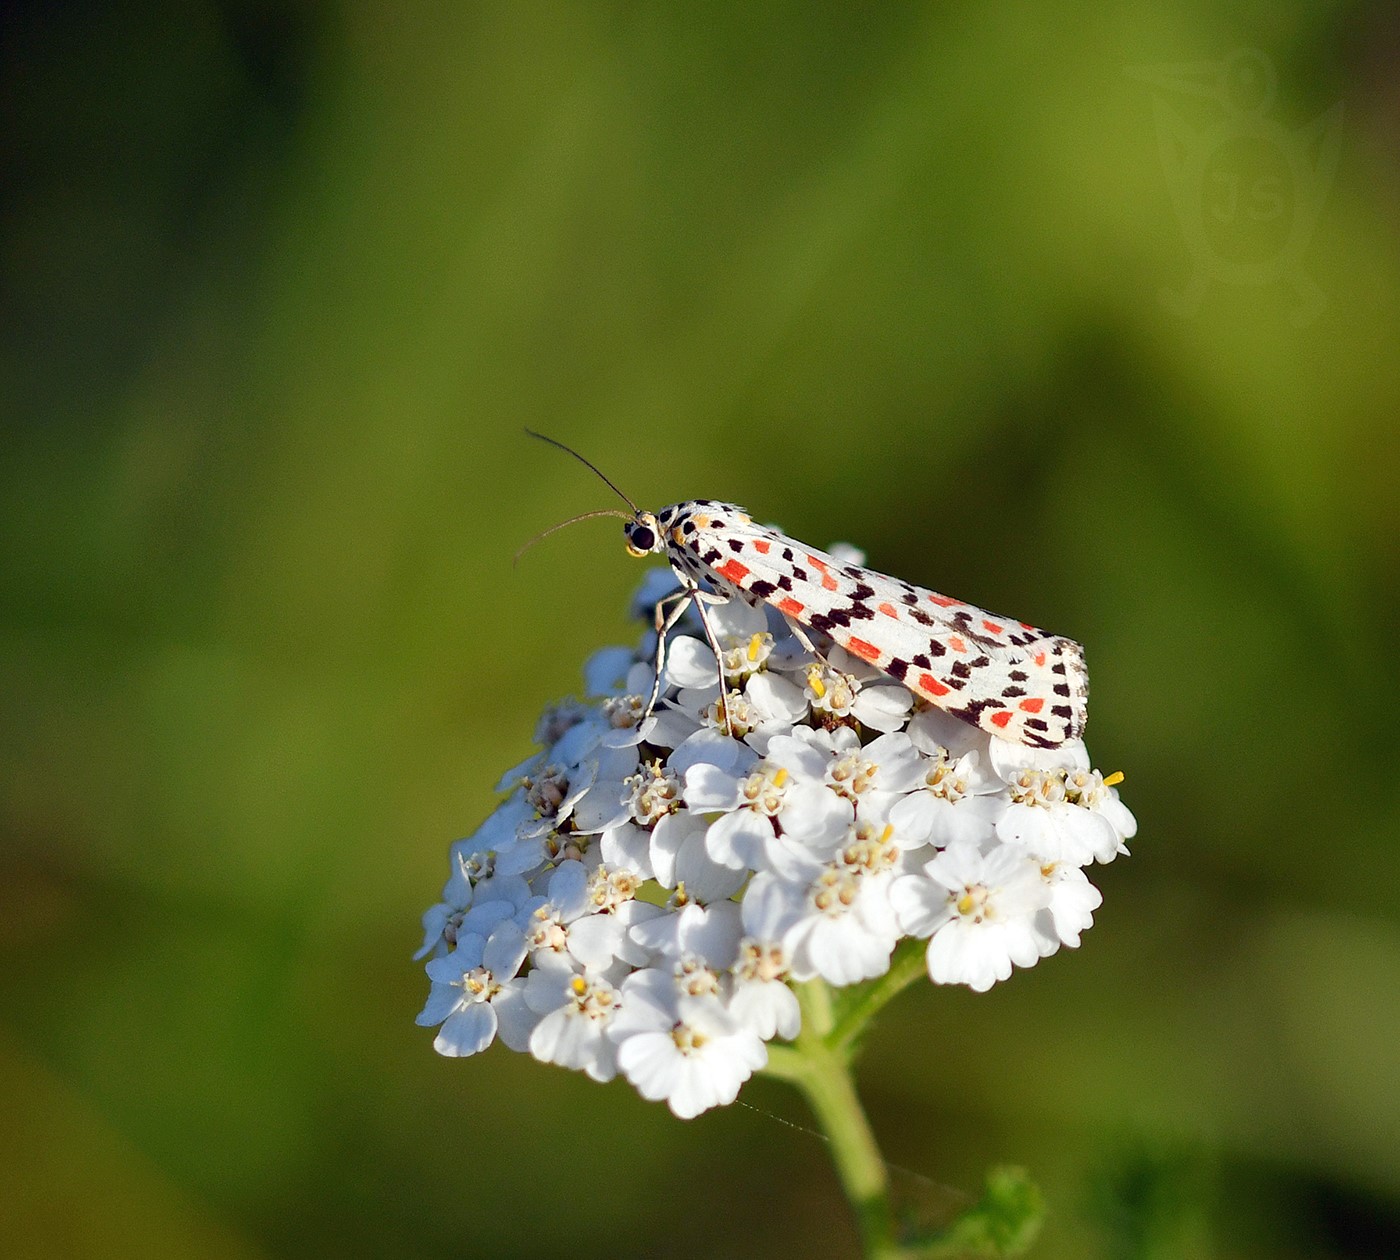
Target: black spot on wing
896 668
736 544
973 710
784 582
920 616
762 589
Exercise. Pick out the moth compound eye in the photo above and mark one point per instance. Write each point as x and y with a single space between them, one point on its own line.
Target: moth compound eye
641 538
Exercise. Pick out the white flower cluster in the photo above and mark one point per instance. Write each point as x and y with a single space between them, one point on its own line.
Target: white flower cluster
650 887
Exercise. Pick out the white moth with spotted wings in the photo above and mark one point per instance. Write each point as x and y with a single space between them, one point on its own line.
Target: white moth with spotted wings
1007 677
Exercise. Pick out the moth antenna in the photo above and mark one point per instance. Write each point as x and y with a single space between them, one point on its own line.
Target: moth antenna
573 520
569 450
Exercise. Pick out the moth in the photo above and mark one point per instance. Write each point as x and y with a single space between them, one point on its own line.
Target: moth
1007 677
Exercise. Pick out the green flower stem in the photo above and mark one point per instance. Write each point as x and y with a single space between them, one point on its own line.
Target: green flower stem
1003 1222
819 1067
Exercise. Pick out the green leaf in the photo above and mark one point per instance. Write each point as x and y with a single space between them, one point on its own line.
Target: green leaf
1003 1222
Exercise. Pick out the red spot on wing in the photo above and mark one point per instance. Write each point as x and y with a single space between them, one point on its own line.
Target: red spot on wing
1033 705
866 651
943 601
957 643
1040 659
791 607
890 611
761 545
1001 719
992 626
828 582
732 570
931 687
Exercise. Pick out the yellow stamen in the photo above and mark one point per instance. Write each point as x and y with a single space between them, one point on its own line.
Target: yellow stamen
814 681
1114 779
965 903
779 777
755 646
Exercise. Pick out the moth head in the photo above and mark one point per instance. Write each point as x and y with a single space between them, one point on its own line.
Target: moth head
643 535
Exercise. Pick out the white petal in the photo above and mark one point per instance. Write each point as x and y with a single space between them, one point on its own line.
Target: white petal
505 951
705 879
921 905
708 787
470 1030
690 663
737 840
516 1020
776 698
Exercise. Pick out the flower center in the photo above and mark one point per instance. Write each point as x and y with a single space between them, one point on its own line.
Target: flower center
764 790
974 902
871 850
547 791
592 1001
759 961
652 794
547 932
624 712
1039 787
695 978
743 657
830 692
688 1040
852 774
742 718
609 889
477 985
836 890
944 781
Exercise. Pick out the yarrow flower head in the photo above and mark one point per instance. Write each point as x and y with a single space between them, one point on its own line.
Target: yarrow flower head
659 877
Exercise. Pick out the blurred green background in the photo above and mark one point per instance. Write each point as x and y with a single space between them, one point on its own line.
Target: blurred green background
281 286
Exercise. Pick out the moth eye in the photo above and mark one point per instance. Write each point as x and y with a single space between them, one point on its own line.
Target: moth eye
641 539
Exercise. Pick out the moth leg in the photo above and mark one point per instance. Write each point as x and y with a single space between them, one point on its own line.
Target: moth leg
665 623
701 599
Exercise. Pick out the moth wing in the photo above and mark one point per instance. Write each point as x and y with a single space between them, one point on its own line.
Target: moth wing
1007 677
